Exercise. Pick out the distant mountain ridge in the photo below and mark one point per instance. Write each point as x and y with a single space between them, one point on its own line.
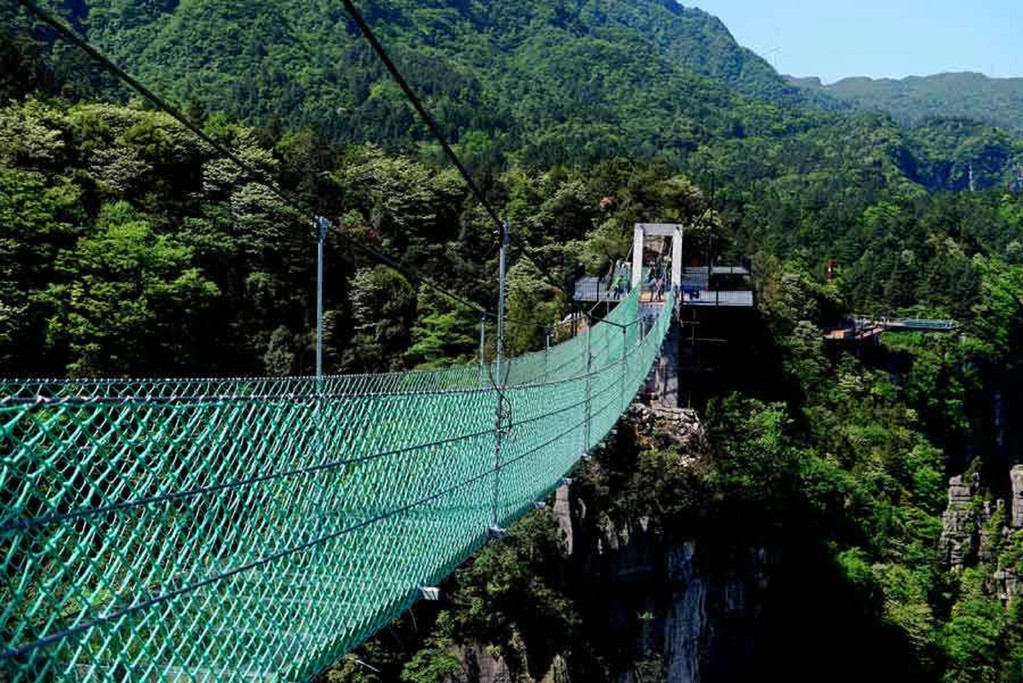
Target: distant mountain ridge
911 100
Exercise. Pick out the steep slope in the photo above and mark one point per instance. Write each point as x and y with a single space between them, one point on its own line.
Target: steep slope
996 101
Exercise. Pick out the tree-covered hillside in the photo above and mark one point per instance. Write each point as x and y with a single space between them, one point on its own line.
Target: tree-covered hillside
995 101
546 83
602 78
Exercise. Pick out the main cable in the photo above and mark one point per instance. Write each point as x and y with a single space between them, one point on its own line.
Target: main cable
258 175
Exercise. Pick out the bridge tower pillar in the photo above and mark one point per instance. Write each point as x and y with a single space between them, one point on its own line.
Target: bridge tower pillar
676 258
663 384
637 255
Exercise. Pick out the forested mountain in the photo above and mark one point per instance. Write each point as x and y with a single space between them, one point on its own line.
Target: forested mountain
912 100
545 83
599 77
127 247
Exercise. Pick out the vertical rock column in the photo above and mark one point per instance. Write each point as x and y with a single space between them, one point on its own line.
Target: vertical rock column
959 524
684 628
1016 475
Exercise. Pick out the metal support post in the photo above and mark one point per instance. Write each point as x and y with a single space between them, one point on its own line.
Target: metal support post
322 228
501 411
546 352
621 386
483 346
502 281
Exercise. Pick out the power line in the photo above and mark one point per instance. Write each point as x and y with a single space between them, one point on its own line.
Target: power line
258 175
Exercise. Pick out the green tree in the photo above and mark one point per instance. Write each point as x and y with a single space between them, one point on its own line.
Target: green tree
129 299
383 309
445 332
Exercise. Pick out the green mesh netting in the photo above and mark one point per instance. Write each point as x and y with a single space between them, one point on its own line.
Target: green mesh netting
258 529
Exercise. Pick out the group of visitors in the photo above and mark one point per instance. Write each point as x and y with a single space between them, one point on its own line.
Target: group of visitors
621 284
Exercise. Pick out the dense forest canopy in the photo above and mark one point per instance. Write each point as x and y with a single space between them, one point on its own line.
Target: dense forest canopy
128 247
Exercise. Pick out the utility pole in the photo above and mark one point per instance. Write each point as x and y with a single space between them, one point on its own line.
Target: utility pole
322 228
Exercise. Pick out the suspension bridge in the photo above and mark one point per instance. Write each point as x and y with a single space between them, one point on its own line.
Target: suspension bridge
259 529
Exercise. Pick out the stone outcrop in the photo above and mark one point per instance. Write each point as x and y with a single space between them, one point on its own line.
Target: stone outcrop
1016 477
558 672
959 523
680 426
482 665
1007 585
972 533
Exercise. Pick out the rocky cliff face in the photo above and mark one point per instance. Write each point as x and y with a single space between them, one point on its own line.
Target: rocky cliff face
653 590
686 623
960 523
975 529
1016 477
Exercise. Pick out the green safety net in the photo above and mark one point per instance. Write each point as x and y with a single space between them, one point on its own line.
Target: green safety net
259 529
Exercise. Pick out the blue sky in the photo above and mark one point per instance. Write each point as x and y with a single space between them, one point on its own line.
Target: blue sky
877 38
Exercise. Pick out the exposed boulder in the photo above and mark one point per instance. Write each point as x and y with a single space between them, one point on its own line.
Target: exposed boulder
563 515
679 426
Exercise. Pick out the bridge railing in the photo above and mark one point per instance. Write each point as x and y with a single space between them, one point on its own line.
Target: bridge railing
258 529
